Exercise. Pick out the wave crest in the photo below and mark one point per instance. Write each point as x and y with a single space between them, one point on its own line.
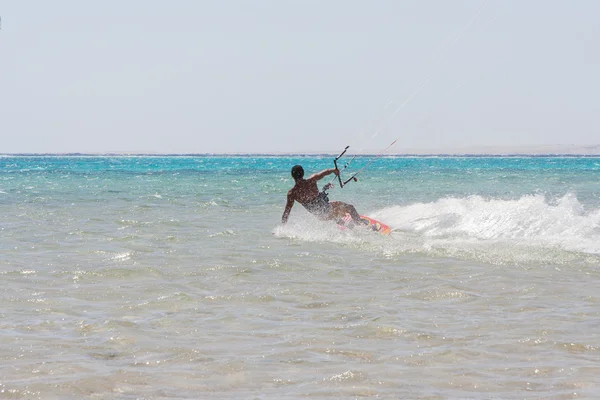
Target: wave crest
530 220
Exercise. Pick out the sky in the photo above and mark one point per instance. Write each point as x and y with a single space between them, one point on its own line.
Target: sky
283 76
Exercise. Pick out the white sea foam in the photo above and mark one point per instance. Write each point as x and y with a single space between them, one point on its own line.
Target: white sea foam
531 220
312 230
531 229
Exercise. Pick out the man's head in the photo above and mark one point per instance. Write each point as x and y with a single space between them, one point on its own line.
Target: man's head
297 172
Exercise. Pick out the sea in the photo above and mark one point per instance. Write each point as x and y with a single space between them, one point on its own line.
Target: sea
171 277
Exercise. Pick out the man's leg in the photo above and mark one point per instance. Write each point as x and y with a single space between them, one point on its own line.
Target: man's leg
339 209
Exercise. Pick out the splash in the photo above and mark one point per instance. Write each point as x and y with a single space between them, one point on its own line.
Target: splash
530 229
311 229
533 220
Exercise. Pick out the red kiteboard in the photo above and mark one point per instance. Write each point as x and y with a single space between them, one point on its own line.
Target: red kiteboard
373 224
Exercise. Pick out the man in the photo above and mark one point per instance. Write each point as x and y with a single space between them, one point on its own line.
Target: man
306 192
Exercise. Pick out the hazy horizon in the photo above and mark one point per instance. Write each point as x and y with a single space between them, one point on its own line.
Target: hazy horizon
549 150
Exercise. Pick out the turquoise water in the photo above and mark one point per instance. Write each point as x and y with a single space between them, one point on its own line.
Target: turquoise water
171 277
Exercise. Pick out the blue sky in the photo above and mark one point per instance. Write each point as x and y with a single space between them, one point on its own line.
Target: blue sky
297 76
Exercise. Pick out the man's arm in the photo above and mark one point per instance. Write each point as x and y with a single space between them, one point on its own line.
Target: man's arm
288 208
320 175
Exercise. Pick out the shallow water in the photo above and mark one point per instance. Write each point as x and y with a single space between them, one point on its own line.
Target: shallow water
170 277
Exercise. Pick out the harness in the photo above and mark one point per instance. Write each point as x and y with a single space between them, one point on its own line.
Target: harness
319 205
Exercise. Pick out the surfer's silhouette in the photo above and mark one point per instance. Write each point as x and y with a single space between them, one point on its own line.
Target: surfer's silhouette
306 192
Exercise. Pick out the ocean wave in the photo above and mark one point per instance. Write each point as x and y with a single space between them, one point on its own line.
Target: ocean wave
531 220
531 229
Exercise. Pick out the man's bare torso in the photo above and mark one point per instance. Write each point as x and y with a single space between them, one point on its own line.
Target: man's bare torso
304 191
